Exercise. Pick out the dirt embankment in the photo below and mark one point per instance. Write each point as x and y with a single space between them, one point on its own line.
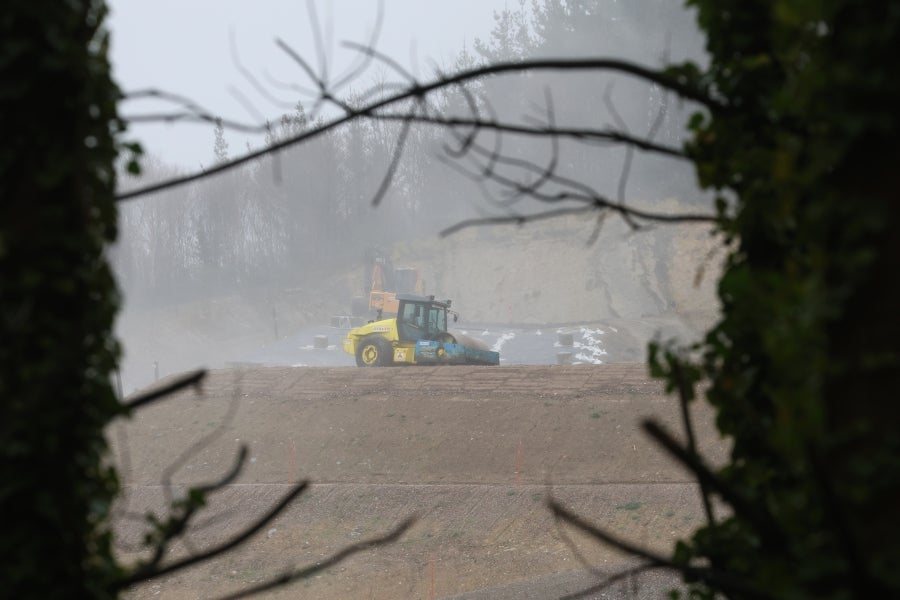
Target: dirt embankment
472 452
550 273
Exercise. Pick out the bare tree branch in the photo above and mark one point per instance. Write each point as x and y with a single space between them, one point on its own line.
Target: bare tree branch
189 111
354 72
304 65
547 173
325 564
685 396
591 200
515 219
392 167
561 512
722 580
191 379
371 52
422 90
629 149
248 75
468 142
143 574
758 515
476 124
598 226
177 526
609 581
317 38
203 442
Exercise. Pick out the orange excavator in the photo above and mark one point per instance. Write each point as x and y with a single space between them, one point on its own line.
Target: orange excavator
383 283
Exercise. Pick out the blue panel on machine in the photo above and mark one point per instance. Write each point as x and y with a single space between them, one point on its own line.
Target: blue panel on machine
431 352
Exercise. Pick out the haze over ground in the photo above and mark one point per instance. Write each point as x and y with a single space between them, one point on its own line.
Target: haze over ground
205 267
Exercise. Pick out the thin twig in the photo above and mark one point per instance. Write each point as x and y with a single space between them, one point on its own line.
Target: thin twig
610 581
354 72
515 219
248 75
722 580
141 575
685 396
598 226
629 154
191 379
589 198
177 526
421 90
587 194
758 515
371 52
392 167
332 560
317 37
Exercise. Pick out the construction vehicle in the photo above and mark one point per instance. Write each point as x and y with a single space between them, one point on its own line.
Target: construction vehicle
417 335
383 283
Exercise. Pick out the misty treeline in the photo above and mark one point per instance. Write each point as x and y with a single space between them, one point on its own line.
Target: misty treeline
288 217
305 211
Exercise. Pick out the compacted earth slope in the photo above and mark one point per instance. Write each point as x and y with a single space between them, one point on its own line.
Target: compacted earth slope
472 452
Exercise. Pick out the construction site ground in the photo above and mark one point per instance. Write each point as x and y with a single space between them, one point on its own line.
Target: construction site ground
473 453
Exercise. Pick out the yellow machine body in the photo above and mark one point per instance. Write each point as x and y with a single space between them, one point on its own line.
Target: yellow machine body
375 353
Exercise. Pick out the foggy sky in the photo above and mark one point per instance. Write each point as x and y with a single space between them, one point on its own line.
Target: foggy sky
186 48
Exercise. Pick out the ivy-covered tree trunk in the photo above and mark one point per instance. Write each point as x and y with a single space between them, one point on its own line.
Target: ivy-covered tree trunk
57 299
804 365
